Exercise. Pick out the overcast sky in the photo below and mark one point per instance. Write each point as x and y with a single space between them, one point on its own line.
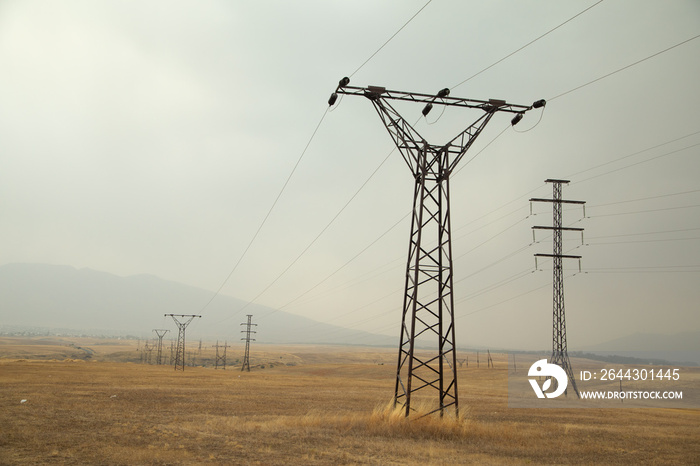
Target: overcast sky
153 137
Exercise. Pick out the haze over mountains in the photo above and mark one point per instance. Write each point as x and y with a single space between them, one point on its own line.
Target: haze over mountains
63 297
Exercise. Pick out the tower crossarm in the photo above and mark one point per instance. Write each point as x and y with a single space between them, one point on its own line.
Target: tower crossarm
375 92
557 228
564 256
410 143
562 201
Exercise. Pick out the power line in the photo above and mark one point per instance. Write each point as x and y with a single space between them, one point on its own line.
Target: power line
646 211
662 240
528 44
482 149
633 154
647 269
346 263
390 38
643 234
623 68
645 198
362 277
284 186
519 198
290 176
638 163
318 236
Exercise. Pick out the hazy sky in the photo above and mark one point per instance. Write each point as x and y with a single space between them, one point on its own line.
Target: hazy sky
153 137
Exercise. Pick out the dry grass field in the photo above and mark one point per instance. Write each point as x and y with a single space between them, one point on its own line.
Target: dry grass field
309 405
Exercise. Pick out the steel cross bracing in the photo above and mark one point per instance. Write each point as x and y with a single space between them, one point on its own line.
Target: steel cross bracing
560 355
428 302
179 361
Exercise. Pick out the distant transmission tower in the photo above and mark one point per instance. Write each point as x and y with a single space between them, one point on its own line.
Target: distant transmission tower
247 331
560 355
147 352
159 355
428 304
179 361
221 357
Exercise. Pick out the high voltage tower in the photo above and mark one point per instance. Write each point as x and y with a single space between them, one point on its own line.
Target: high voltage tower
428 303
560 355
246 355
147 353
179 361
159 355
221 357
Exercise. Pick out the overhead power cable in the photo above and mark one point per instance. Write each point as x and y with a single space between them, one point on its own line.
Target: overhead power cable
318 236
638 163
622 69
632 154
644 198
347 262
646 211
663 240
390 39
652 269
279 195
682 230
528 44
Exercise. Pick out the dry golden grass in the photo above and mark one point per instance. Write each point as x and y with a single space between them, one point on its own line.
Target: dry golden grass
316 412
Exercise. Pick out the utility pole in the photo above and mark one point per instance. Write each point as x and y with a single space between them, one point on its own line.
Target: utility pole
489 361
247 331
159 355
179 362
428 302
220 358
560 355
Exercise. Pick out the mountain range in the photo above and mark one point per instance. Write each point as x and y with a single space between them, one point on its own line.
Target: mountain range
42 296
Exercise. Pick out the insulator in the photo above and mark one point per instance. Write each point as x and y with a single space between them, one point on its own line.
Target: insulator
539 103
332 100
516 119
428 107
344 82
444 93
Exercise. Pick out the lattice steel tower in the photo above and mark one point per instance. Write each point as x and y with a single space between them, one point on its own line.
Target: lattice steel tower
560 355
247 331
179 361
220 356
159 355
428 303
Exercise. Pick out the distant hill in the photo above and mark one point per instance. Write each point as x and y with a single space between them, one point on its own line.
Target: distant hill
100 303
678 347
